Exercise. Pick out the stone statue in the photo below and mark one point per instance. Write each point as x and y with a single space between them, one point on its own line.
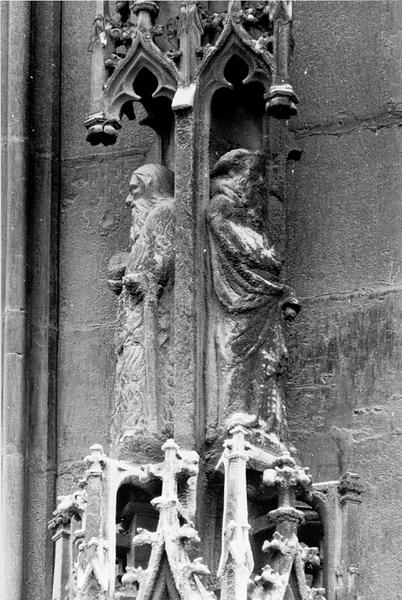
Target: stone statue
246 346
143 395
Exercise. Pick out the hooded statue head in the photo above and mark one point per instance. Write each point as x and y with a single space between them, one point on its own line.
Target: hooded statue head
232 163
240 174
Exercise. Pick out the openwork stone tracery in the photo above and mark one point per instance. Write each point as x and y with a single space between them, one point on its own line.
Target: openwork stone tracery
200 344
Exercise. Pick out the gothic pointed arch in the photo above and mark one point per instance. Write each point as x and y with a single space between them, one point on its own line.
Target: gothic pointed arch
122 47
234 41
144 54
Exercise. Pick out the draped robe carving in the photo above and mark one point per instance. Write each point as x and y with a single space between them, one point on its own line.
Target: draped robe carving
246 345
143 387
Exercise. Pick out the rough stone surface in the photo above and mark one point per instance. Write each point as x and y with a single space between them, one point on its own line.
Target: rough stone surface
343 218
344 255
345 62
344 384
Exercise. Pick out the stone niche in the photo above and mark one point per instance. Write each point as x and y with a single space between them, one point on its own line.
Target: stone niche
200 333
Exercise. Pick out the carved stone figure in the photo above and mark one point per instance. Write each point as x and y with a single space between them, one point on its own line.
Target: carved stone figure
246 347
145 277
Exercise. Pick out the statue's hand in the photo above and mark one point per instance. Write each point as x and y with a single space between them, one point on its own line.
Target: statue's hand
290 306
289 313
116 269
134 282
115 285
271 258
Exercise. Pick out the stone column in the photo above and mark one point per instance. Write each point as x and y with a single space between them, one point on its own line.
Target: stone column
42 291
18 16
62 560
281 99
93 564
189 292
236 563
350 489
186 340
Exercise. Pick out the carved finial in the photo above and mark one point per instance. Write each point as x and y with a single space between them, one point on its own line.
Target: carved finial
281 98
350 487
281 101
287 477
68 506
171 537
149 6
284 550
276 545
169 445
189 33
146 12
234 6
236 561
101 129
197 567
280 9
96 461
268 577
176 464
144 537
133 577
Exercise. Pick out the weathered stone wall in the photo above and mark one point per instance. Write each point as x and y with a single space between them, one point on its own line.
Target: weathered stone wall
344 223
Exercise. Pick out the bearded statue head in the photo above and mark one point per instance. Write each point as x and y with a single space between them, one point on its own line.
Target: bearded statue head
150 182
